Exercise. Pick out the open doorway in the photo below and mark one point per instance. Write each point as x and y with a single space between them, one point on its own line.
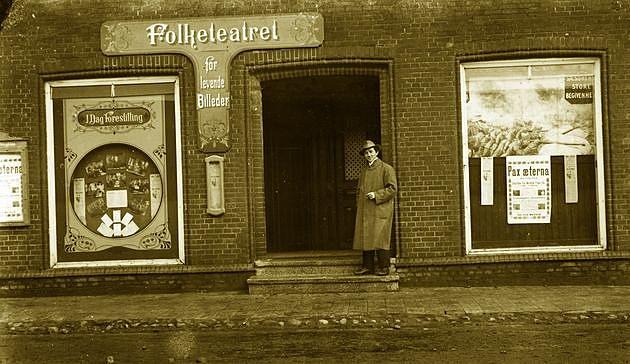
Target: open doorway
313 128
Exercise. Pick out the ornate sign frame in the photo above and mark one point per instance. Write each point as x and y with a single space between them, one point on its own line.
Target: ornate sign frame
211 43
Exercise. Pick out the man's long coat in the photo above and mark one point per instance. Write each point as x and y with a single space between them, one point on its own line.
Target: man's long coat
373 225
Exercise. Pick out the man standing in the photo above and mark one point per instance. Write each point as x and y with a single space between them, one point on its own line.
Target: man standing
375 211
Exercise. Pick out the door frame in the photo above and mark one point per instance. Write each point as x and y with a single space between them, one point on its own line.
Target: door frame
257 73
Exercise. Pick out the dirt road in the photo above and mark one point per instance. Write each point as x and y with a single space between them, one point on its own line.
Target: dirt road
443 343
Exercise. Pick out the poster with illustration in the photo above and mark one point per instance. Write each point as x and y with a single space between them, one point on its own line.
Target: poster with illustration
530 110
119 197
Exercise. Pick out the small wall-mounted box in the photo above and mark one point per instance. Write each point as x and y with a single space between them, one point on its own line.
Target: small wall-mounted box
214 182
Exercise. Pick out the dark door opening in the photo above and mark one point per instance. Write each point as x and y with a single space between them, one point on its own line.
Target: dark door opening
313 127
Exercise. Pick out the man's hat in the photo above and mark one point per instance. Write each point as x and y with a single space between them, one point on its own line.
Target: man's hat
369 144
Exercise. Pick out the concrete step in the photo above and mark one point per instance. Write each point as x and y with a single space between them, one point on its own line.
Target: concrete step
335 266
269 285
316 272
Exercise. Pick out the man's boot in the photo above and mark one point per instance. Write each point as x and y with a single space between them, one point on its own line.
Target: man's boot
367 265
383 262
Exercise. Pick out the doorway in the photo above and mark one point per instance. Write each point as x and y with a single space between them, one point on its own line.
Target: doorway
312 130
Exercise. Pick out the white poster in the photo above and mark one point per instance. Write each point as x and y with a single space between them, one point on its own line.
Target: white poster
570 179
528 189
155 187
11 188
79 198
487 181
116 199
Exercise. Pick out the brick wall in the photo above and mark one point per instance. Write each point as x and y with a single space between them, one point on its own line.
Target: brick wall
557 269
423 39
123 282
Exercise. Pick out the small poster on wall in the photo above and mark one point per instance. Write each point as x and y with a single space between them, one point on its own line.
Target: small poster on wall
570 179
11 187
528 189
487 181
14 209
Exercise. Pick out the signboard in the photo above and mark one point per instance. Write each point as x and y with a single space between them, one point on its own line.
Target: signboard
107 117
14 183
211 43
528 189
578 89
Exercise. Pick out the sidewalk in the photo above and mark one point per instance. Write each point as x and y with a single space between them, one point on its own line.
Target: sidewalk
408 307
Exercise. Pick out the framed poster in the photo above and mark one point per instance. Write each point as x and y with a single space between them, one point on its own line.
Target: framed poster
117 197
14 208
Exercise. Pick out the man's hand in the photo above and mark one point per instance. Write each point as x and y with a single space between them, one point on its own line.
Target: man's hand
371 195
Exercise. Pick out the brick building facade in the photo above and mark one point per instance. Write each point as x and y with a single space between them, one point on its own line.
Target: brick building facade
389 70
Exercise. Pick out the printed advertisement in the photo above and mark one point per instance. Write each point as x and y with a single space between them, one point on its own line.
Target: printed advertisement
487 181
114 175
530 111
11 188
570 179
528 189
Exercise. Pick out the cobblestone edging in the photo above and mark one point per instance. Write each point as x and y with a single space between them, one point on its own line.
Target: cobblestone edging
398 322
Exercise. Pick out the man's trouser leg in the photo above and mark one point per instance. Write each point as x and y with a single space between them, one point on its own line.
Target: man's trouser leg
383 262
368 263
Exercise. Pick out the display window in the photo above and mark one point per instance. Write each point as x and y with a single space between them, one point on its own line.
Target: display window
532 155
115 195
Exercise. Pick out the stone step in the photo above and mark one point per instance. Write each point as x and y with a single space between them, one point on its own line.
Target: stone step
269 285
335 266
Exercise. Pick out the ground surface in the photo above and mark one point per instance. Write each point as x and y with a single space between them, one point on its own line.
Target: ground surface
444 342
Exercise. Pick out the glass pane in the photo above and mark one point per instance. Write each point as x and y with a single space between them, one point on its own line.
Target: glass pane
540 108
496 72
112 198
68 92
562 69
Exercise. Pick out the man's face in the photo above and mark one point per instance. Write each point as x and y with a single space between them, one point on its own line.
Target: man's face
370 154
